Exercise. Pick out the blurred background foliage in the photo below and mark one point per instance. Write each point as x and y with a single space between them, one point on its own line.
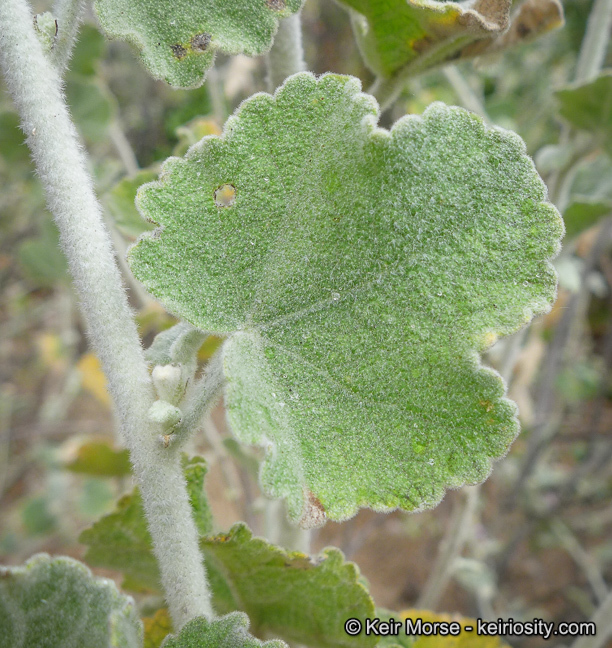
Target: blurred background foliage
536 537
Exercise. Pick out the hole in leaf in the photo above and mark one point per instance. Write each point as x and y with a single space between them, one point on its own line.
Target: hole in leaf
276 5
225 195
200 42
178 51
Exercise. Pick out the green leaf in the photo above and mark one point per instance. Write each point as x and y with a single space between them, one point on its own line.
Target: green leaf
42 258
588 106
399 35
121 540
87 52
14 148
288 594
178 39
52 602
120 203
92 106
582 214
195 472
358 274
227 632
100 459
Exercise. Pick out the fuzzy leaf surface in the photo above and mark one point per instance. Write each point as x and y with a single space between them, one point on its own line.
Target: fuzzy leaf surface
178 39
394 35
51 602
589 107
289 594
357 274
230 631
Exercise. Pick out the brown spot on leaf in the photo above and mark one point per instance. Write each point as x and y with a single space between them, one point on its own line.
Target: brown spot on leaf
200 42
313 514
178 51
488 405
276 5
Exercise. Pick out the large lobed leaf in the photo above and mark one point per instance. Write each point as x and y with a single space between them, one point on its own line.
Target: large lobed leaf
303 599
357 274
399 35
178 39
52 602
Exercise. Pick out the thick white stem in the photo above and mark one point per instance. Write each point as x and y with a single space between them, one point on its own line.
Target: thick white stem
287 55
35 86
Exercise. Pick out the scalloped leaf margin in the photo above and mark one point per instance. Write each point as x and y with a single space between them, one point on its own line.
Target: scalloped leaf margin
178 39
358 274
51 602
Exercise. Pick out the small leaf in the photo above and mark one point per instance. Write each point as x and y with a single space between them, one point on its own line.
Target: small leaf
41 256
588 106
288 594
195 472
227 632
100 459
88 50
14 148
120 203
401 35
52 602
92 106
581 215
121 540
178 39
358 273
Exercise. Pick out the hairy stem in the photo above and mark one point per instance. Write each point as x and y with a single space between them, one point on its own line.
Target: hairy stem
595 42
200 398
68 14
287 55
35 86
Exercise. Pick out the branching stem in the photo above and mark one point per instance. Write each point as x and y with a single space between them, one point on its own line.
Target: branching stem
35 86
